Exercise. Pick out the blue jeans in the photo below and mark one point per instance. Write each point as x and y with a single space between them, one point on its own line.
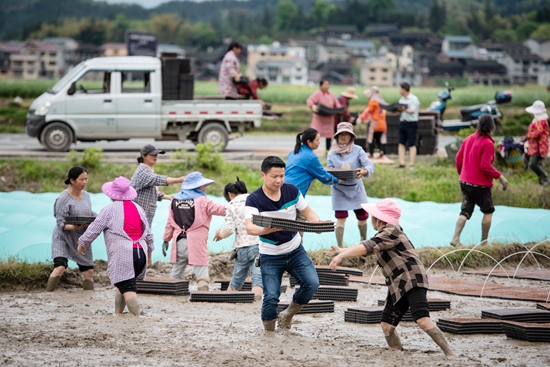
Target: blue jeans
244 261
300 266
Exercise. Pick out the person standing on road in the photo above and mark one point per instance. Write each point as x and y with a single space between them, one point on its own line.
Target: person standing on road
230 72
350 193
474 164
323 124
377 128
245 247
128 239
74 201
408 125
302 164
537 137
145 181
281 250
405 275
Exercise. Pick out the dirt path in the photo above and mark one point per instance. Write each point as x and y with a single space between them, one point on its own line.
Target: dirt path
71 327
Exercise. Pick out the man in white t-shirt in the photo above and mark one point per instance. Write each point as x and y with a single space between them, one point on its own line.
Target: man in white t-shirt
281 250
408 125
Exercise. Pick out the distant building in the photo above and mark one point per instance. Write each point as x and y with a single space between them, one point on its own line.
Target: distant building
399 57
168 49
83 52
420 41
66 46
378 73
25 66
277 63
6 50
333 33
523 66
459 48
49 56
114 49
486 72
382 30
310 46
413 77
539 47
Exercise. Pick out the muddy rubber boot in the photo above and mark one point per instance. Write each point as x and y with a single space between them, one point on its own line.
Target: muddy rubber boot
202 284
52 283
269 325
133 306
394 341
120 303
363 231
440 340
339 235
88 285
485 227
460 223
285 317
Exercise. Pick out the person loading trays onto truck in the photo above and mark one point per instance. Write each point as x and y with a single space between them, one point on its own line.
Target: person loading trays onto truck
251 90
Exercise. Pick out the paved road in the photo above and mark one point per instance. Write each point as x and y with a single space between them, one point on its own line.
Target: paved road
21 145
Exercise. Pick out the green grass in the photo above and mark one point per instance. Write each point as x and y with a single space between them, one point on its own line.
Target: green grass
18 272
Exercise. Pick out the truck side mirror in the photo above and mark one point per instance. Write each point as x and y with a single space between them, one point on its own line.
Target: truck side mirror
72 89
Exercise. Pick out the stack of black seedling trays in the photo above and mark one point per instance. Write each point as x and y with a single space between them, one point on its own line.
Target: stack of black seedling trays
327 111
336 293
518 315
167 286
543 306
326 278
247 286
471 326
339 270
311 307
292 225
527 331
222 296
79 220
434 304
343 174
370 315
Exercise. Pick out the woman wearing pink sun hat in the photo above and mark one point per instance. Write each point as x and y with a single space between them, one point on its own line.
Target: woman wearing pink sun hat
405 275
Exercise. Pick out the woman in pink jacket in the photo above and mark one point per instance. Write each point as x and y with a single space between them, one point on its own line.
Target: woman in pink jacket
323 124
537 136
474 164
187 226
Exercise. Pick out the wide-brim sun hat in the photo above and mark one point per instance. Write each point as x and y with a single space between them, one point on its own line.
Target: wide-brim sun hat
344 127
386 210
119 189
349 93
194 180
537 108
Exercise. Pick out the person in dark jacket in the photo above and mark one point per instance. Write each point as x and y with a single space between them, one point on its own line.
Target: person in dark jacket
344 99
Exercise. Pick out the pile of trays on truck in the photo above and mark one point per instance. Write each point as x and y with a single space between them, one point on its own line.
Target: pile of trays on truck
427 136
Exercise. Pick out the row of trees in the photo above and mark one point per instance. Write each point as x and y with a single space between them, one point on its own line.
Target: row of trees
288 19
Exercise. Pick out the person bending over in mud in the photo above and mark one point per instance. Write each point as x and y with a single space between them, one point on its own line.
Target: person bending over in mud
405 275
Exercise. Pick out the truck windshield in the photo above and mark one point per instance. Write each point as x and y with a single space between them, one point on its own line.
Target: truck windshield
66 78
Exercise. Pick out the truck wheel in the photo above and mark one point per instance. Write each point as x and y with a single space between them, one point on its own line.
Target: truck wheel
56 137
215 134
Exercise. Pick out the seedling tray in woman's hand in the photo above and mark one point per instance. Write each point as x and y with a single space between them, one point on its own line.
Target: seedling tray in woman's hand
77 221
343 174
327 111
293 225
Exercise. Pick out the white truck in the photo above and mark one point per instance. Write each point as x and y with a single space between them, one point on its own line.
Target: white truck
119 98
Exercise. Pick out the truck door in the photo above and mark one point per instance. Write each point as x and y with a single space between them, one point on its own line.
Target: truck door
91 108
138 104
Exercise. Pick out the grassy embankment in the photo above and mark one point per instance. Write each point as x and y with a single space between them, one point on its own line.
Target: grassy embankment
290 100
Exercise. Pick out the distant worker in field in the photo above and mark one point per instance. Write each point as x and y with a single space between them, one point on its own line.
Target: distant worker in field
537 137
474 164
251 90
405 275
375 117
344 99
408 125
324 124
230 72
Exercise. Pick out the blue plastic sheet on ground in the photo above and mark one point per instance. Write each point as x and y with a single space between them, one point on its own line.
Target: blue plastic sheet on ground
26 225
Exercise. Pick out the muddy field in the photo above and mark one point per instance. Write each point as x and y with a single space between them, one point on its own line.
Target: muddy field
72 327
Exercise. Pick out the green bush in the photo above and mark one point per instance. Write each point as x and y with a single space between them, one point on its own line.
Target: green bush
90 158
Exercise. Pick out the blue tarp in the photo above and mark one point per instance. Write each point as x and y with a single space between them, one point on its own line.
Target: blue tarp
26 225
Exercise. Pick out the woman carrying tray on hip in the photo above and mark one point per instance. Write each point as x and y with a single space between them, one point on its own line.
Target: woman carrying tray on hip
74 201
349 194
323 124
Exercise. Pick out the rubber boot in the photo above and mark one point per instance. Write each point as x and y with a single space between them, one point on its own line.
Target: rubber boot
460 223
202 284
120 303
339 235
363 231
440 340
269 325
485 227
133 306
393 341
52 283
88 285
285 317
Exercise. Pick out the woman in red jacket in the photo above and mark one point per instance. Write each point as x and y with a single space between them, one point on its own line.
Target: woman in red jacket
474 164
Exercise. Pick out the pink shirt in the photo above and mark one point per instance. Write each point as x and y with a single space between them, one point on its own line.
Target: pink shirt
132 221
323 124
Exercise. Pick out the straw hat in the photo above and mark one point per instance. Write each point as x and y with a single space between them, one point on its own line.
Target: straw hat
386 210
119 189
349 93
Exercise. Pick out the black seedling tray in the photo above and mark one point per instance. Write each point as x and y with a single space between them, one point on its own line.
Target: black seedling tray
339 270
518 314
343 174
292 225
79 220
222 296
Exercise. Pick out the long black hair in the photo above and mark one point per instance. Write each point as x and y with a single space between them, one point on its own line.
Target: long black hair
308 134
236 188
233 45
485 125
74 173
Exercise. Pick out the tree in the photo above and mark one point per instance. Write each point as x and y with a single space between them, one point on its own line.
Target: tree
119 27
204 35
542 31
93 32
504 35
320 12
437 16
166 27
376 7
284 15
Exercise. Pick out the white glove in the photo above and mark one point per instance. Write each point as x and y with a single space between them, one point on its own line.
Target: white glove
358 121
314 108
504 182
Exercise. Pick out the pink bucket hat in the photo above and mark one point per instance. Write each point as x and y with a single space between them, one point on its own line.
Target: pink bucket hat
119 189
386 210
